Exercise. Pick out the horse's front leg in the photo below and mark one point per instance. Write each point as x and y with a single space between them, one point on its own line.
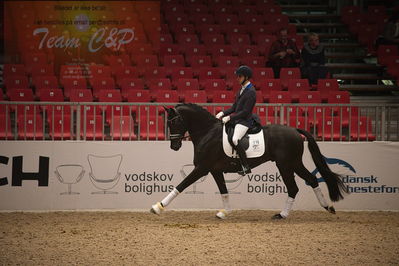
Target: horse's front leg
196 174
220 181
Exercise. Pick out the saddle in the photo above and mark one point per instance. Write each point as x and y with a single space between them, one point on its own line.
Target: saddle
253 141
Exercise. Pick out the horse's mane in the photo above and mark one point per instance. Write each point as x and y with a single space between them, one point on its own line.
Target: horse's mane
200 110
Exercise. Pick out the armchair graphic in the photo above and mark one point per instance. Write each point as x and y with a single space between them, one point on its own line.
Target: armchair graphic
69 174
104 172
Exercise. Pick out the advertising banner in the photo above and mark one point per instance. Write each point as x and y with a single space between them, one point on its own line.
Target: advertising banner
134 175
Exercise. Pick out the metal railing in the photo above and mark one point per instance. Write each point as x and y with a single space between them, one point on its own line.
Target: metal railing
146 121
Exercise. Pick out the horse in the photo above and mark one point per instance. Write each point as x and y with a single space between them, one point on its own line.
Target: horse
284 145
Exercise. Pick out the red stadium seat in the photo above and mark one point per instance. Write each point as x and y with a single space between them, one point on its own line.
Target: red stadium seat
278 97
181 72
213 39
261 75
92 127
296 86
99 84
330 129
309 97
60 127
14 70
206 73
98 71
222 96
166 38
173 61
122 72
72 84
179 29
226 19
220 50
185 39
254 61
81 95
165 96
324 86
209 29
155 72
269 85
42 70
129 85
198 19
30 127
140 48
227 61
193 49
16 82
168 49
23 95
384 52
121 60
248 50
143 61
287 73
159 84
194 96
122 128
198 61
187 84
151 127
45 82
210 85
361 129
338 97
5 126
36 59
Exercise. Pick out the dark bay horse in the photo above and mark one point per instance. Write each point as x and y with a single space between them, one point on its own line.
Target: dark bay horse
283 145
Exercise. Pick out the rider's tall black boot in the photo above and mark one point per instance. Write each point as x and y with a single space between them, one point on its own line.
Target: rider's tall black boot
243 159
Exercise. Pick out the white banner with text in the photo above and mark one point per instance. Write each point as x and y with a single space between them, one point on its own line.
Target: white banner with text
76 175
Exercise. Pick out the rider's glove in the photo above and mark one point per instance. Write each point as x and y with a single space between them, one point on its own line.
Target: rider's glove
225 119
219 115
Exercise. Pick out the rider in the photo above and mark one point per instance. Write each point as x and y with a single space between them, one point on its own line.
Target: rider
240 114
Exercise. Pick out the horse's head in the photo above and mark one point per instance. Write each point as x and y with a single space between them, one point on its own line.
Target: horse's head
176 128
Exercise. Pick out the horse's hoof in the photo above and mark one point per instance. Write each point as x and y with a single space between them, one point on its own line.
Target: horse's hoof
222 214
278 217
330 209
157 208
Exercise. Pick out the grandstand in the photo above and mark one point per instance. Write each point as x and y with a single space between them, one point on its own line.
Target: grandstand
187 51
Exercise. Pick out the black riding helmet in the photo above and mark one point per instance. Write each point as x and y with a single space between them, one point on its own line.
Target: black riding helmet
245 71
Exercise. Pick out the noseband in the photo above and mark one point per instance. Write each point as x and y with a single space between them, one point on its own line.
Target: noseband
177 136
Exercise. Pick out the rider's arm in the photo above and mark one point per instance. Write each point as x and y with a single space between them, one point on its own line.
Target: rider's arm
250 100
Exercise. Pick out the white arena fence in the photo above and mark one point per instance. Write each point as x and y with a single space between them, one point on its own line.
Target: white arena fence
146 121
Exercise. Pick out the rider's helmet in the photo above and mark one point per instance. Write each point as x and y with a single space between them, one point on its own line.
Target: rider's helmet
245 71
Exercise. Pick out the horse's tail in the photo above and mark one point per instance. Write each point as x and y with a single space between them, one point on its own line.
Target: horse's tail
336 187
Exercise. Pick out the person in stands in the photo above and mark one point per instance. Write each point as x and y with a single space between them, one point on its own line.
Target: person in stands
283 53
313 60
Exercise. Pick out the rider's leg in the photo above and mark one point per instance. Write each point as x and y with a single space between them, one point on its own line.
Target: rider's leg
239 132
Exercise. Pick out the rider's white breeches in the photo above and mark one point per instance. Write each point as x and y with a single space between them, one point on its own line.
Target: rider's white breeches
239 132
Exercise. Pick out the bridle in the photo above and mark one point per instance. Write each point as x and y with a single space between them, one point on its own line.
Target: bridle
178 136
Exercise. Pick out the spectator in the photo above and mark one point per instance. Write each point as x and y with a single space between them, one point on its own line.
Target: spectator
391 32
283 53
313 60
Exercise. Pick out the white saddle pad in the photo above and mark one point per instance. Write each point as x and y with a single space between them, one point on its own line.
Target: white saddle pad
256 145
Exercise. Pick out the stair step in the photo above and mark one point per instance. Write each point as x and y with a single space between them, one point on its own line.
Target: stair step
319 25
341 44
369 87
355 76
330 35
344 56
353 66
307 7
313 16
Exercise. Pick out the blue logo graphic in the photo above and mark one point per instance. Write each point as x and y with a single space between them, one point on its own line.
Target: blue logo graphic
334 161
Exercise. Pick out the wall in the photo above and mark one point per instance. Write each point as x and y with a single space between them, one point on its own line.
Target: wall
148 170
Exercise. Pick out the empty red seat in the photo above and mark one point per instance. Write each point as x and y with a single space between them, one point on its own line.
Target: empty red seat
36 59
361 129
5 126
180 72
187 84
226 19
272 84
165 96
137 96
296 86
210 85
330 129
254 61
179 29
30 127
202 19
278 97
220 50
99 71
261 75
71 72
92 127
309 97
14 70
130 84
173 61
16 82
209 29
287 73
140 48
347 13
122 72
213 39
120 60
222 96
22 95
151 127
146 60
185 39
248 50
100 83
122 128
198 61
60 127
42 70
159 84
193 49
324 86
205 73
194 96
45 82
384 52
338 97
227 61
72 84
168 49
81 95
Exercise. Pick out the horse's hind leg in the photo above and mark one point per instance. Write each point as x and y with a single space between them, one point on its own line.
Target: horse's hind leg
219 179
312 181
287 172
196 174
